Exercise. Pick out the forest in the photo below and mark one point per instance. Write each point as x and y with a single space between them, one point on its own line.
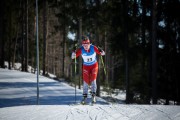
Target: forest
140 37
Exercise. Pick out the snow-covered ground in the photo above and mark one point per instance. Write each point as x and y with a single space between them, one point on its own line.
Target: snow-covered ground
18 98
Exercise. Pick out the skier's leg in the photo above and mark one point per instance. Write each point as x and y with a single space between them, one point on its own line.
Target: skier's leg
85 88
85 92
93 78
93 87
93 82
86 73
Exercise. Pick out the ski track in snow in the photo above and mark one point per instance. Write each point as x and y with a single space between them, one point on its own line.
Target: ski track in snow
80 112
57 102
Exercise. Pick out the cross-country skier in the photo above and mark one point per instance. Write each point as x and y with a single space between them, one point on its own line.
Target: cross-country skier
90 66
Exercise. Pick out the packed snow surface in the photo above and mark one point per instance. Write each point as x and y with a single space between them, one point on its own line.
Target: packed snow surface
57 101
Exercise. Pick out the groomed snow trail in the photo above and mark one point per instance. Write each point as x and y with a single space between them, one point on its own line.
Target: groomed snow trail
18 102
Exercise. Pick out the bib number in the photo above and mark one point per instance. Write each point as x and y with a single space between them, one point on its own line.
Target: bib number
89 59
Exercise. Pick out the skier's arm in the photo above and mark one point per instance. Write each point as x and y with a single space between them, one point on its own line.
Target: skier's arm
99 51
76 53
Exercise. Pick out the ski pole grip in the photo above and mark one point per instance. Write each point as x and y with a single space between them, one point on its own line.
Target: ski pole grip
100 49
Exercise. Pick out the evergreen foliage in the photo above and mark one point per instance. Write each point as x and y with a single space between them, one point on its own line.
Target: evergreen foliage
109 25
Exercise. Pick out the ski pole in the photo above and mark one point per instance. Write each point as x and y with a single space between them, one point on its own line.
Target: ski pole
75 77
102 60
105 74
75 72
104 69
103 65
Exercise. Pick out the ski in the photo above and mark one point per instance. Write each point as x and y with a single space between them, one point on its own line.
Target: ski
83 103
84 100
93 100
87 101
77 104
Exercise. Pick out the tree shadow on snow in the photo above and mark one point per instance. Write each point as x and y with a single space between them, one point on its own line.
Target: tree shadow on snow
25 93
45 100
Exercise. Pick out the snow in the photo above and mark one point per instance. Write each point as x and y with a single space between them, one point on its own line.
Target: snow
18 98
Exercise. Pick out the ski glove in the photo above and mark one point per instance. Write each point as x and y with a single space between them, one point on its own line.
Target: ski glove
102 53
73 55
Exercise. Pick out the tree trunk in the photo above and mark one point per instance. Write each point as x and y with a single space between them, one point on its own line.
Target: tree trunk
154 51
26 38
106 64
80 59
10 40
125 28
98 76
44 35
98 41
143 51
107 59
22 37
64 37
2 12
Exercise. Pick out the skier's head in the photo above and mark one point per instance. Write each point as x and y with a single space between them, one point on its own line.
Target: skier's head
85 42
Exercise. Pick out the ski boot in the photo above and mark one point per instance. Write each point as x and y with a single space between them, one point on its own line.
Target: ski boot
83 102
93 99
